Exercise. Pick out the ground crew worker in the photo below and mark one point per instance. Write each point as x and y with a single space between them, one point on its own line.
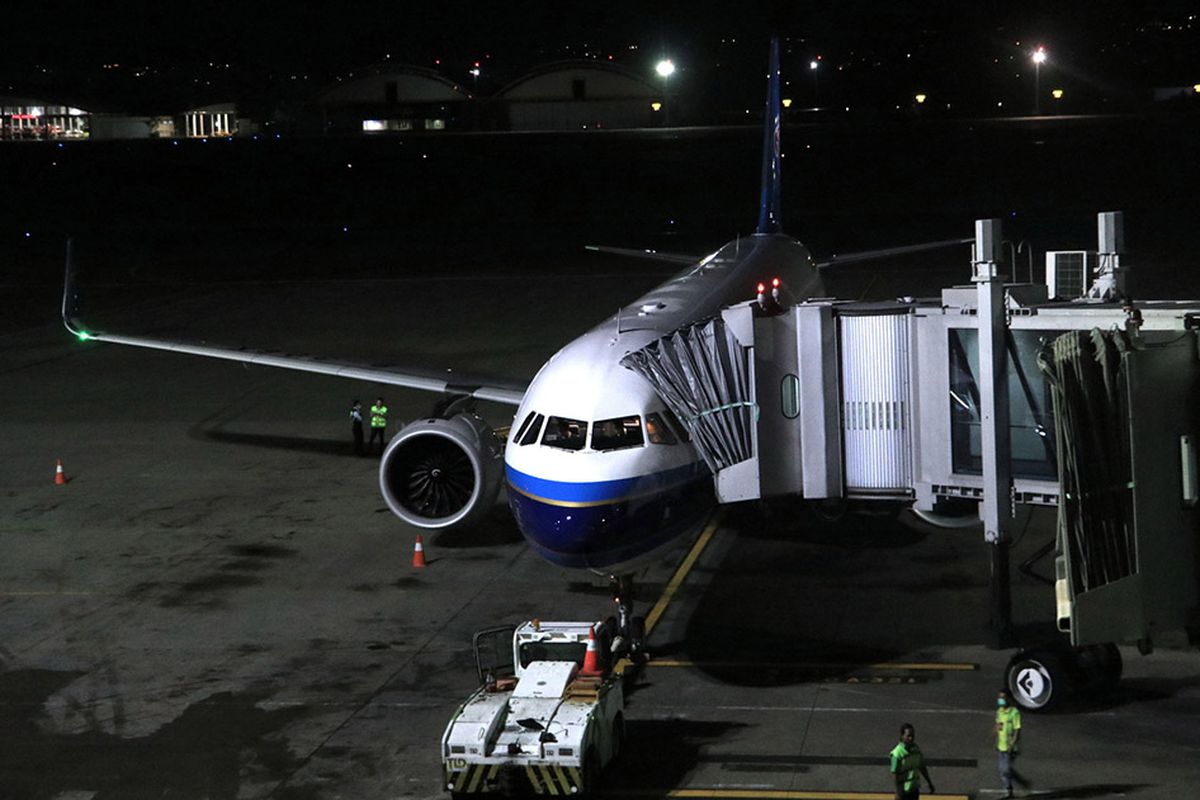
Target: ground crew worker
906 761
356 427
1008 737
378 424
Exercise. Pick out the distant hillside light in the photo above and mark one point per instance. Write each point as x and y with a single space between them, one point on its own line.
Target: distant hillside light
656 106
1196 88
920 98
1056 94
665 68
787 102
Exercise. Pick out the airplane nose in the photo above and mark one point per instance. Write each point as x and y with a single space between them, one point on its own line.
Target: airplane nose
586 526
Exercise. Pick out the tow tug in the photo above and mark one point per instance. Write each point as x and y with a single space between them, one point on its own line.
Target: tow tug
548 716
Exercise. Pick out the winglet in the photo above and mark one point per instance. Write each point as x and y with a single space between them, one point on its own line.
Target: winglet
70 301
769 203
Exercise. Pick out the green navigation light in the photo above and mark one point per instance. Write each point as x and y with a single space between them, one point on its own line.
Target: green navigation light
84 336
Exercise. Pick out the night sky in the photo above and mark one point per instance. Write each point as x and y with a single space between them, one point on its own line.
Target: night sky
62 46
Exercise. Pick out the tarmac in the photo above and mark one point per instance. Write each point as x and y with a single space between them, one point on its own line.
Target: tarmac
218 604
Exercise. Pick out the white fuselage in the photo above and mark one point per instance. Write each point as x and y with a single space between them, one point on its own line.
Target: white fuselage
593 479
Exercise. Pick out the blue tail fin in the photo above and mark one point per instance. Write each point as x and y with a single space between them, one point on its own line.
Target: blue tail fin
768 209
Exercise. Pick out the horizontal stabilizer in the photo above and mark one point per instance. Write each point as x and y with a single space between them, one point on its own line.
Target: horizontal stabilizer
652 255
871 255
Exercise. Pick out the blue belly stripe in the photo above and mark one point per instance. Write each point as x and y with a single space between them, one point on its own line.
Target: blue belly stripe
598 492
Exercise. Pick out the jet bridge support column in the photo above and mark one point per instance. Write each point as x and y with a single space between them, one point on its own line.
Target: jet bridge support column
996 508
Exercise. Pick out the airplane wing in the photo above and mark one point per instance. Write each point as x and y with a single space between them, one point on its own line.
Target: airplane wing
870 255
509 394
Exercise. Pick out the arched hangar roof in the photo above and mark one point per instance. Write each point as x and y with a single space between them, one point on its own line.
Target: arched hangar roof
413 85
604 81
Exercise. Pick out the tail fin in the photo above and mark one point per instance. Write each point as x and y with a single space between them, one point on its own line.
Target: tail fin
769 203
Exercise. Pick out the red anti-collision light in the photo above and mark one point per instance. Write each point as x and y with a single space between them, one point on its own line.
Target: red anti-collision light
775 282
761 288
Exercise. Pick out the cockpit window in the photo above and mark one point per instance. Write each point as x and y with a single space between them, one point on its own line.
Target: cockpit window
675 425
565 434
614 434
657 431
530 429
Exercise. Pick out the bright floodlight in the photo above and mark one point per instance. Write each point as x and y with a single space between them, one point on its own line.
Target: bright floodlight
920 98
665 67
1056 94
812 65
1039 55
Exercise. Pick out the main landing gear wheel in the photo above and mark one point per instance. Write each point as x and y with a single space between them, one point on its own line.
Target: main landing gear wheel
1039 680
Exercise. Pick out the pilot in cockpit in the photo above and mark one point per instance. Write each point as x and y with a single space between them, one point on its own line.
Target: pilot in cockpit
567 434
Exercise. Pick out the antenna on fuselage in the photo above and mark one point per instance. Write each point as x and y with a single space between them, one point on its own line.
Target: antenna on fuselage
769 201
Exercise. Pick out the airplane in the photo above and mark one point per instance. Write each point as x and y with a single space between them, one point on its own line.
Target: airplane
600 474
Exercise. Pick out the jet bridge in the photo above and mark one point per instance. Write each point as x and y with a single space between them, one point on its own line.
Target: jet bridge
992 395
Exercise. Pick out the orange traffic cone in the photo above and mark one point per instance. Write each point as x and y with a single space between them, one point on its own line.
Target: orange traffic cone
591 659
59 478
418 553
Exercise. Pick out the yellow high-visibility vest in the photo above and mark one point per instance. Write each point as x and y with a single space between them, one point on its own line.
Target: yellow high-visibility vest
378 416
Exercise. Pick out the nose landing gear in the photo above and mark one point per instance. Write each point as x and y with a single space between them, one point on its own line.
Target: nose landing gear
629 640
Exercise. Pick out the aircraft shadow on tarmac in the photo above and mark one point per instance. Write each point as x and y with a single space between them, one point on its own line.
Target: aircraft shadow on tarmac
797 599
660 753
497 528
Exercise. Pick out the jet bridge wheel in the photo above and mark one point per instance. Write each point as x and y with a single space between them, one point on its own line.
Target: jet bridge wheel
1039 680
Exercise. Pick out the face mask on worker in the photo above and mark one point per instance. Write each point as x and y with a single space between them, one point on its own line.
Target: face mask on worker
1000 701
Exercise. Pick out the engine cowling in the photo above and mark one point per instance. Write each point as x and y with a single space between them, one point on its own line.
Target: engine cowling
442 472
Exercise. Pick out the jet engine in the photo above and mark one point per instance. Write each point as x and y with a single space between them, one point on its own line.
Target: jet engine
442 472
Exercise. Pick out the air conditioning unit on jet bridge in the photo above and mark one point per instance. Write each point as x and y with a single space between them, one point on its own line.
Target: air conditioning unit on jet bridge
1070 273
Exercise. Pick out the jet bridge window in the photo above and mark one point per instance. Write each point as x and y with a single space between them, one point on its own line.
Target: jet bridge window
1031 419
530 428
565 434
616 434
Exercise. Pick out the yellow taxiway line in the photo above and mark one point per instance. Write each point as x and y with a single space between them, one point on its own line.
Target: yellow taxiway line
682 572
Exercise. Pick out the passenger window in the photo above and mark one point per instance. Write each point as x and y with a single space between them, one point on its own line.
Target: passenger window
614 434
657 431
565 434
530 430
